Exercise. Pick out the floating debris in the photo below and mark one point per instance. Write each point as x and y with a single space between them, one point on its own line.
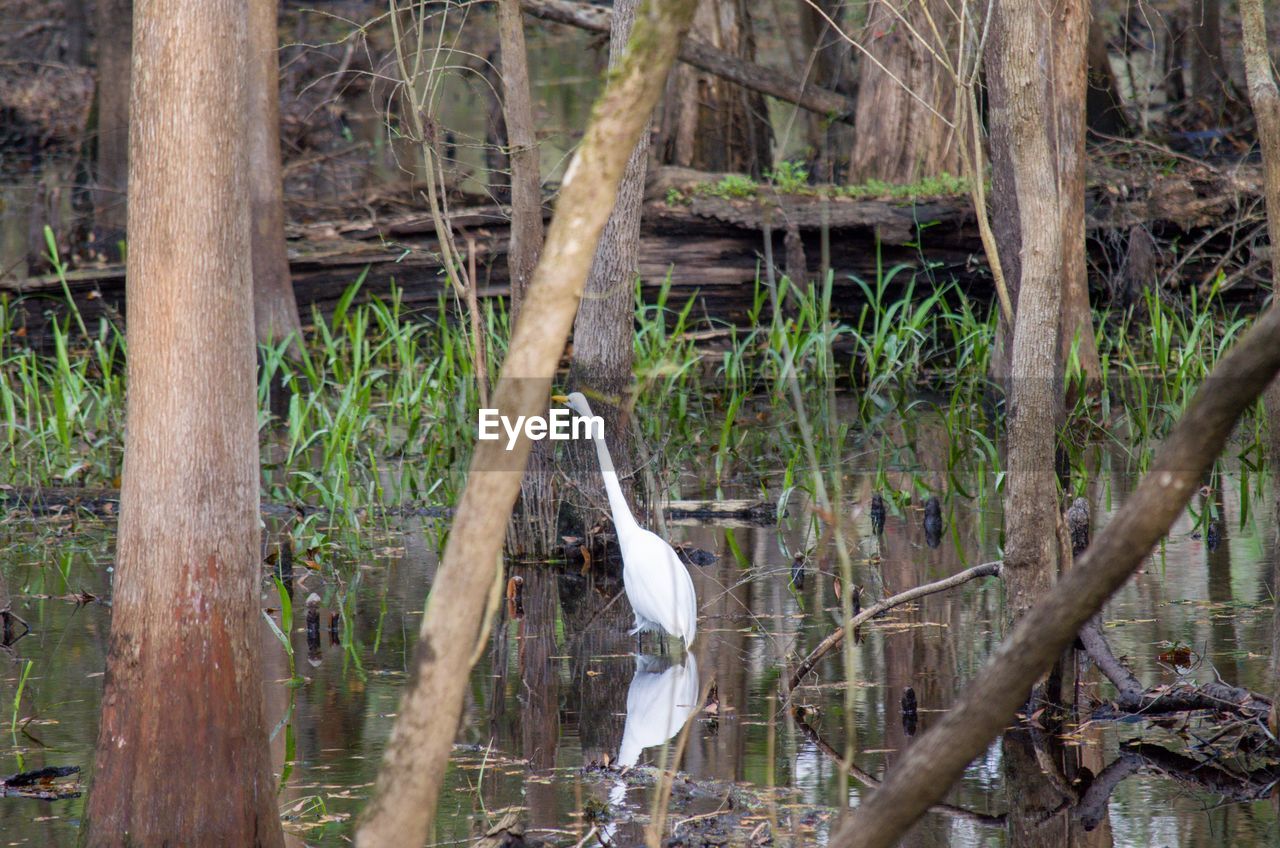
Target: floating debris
797 570
877 514
933 522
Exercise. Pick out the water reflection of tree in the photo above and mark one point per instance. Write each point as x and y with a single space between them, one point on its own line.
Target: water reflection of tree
1040 774
539 688
596 621
1222 620
724 649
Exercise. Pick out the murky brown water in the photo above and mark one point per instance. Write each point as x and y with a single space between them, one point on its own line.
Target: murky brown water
560 688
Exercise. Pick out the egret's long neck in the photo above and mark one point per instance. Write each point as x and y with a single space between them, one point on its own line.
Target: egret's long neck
623 520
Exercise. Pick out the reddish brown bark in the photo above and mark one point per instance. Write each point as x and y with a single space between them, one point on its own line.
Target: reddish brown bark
182 752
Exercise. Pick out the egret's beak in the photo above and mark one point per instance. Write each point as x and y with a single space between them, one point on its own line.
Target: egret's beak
560 398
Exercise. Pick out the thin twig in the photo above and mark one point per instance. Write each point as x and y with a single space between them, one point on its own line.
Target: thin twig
987 569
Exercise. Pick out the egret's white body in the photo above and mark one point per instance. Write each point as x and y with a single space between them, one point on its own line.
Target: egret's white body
658 584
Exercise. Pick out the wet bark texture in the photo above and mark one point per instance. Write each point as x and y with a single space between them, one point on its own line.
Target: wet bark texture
182 754
905 101
1031 500
114 27
937 759
604 330
275 311
455 623
707 122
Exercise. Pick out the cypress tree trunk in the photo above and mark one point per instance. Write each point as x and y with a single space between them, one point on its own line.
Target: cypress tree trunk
182 753
1069 40
906 96
1210 87
1034 397
1064 92
707 122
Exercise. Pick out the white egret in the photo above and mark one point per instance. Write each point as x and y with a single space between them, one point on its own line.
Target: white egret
657 583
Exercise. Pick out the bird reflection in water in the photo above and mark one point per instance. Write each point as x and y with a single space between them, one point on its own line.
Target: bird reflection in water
661 699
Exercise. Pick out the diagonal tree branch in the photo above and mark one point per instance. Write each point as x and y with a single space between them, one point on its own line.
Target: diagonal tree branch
458 609
930 766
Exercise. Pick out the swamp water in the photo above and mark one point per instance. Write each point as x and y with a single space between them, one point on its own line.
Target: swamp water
551 696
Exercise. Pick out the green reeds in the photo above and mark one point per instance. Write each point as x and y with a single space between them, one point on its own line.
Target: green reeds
380 399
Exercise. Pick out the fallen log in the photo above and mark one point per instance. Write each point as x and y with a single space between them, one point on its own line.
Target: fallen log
41 784
709 247
53 501
1140 757
713 60
749 511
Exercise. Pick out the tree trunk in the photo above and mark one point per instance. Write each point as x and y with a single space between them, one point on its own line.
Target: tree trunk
1034 396
522 142
829 67
604 330
1209 85
532 531
275 311
462 597
1069 85
1105 108
75 34
1264 97
1064 89
114 28
707 122
182 753
905 97
938 758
